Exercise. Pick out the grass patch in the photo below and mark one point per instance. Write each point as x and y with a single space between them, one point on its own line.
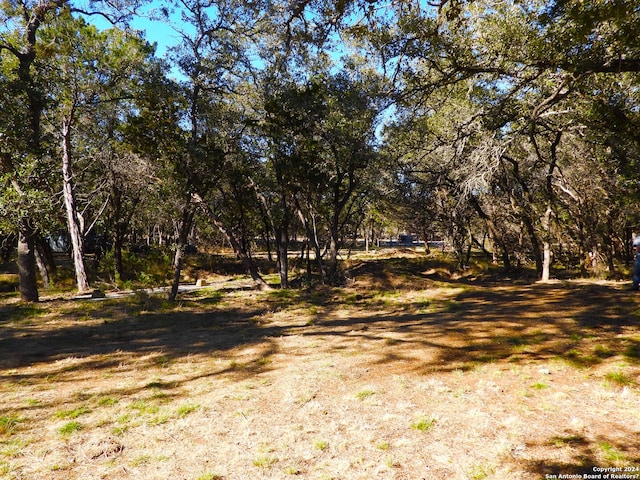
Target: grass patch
568 440
632 352
141 460
73 413
143 407
364 394
107 401
612 454
12 447
603 351
321 444
579 360
9 282
423 424
391 463
292 471
283 298
539 386
20 313
5 468
162 361
185 410
618 378
9 424
264 461
70 428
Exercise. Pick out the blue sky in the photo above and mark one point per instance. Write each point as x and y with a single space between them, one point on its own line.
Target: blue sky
158 32
155 31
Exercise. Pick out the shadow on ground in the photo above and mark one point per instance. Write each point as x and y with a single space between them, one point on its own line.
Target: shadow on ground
122 328
621 457
582 324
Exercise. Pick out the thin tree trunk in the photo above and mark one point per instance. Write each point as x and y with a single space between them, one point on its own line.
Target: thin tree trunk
44 274
535 244
246 260
312 235
121 221
333 255
495 233
117 256
73 223
283 256
546 247
27 262
47 255
183 235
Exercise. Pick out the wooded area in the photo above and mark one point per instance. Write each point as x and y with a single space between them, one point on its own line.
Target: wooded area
511 126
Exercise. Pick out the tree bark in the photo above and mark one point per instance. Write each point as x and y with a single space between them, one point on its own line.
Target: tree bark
27 262
47 255
73 217
312 235
183 235
44 274
282 239
546 247
333 251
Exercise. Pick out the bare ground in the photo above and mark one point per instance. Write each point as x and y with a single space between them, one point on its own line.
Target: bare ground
408 373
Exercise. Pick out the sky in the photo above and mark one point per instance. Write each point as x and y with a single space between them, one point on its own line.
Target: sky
155 31
158 32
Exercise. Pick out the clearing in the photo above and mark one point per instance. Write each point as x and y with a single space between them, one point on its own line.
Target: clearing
407 373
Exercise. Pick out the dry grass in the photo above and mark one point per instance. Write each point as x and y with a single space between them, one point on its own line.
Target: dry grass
408 373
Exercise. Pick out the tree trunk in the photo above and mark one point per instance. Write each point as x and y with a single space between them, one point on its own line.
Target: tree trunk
283 256
47 255
246 260
117 255
183 235
333 254
535 244
27 262
120 225
494 231
546 247
312 235
44 274
73 217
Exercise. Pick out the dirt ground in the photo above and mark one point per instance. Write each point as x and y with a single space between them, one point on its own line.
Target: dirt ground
408 372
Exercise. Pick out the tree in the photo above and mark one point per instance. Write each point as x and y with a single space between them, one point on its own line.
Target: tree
21 48
212 58
523 71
